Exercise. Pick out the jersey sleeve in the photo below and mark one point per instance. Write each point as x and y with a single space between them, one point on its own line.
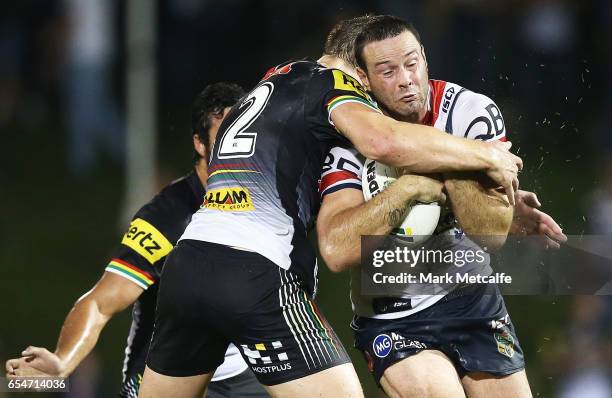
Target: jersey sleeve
141 254
341 170
328 90
477 117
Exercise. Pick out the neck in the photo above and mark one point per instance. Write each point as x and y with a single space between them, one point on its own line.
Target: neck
332 61
201 169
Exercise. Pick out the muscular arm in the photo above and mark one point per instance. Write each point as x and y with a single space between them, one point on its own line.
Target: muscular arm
344 217
417 148
484 214
82 327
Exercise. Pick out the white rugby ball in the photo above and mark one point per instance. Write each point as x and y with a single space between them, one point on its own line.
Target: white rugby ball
422 218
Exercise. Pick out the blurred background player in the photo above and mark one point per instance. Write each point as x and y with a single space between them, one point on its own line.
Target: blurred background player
461 353
132 276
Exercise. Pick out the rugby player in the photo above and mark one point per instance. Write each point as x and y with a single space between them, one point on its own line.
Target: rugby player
244 259
132 275
420 345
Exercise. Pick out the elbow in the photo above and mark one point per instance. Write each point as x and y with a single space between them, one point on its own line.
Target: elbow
379 150
494 243
490 241
333 258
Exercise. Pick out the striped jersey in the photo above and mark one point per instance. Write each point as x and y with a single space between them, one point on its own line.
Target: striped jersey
459 112
266 163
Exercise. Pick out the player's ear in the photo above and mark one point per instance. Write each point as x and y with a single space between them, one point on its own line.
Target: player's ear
199 147
364 78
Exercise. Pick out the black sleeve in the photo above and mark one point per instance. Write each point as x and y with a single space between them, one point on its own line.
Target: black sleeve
152 234
328 89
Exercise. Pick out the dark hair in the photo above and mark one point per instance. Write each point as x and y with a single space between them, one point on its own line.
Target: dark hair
211 101
341 39
380 27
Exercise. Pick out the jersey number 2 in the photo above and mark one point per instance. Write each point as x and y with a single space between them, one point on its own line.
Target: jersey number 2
236 142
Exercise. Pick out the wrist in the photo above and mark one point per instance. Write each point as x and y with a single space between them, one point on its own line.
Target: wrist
411 189
486 155
62 369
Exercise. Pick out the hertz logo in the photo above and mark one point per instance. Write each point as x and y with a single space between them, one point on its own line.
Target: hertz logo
342 81
229 199
146 240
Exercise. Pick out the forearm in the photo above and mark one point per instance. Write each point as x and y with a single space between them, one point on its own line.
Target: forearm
340 239
423 149
419 149
479 211
80 333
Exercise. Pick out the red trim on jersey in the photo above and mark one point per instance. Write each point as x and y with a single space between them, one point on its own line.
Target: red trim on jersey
436 88
278 70
130 266
334 177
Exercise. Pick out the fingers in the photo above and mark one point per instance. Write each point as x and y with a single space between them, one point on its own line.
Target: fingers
442 198
518 162
509 187
11 365
515 183
530 199
33 351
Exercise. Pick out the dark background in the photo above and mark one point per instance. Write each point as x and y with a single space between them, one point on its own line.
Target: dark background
547 64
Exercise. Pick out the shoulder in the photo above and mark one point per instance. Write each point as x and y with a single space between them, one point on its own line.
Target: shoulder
168 213
468 114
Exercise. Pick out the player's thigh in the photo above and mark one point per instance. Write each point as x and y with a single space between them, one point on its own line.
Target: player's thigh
428 374
486 385
244 385
158 385
338 382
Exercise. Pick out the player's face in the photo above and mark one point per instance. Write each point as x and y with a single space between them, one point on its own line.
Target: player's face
397 76
215 122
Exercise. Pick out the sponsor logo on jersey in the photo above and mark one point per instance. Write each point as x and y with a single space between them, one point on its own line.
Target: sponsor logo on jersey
382 345
448 99
400 342
146 240
342 81
229 199
500 323
373 186
505 343
266 358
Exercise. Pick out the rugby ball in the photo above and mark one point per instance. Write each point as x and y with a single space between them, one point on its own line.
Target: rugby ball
422 218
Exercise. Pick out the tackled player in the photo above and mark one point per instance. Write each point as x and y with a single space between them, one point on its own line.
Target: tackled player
423 345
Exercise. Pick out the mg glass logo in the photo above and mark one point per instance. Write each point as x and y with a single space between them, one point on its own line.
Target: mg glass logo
382 345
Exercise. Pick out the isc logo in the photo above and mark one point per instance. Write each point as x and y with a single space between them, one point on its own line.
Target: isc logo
382 345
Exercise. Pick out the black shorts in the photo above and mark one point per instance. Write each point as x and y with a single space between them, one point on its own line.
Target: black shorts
471 326
211 295
242 385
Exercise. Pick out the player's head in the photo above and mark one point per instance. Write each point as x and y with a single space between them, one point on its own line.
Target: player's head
341 39
392 65
208 111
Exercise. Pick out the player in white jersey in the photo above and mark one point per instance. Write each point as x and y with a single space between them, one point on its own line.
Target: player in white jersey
435 345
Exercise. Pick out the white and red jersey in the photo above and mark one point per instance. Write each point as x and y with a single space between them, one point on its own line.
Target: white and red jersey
453 109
